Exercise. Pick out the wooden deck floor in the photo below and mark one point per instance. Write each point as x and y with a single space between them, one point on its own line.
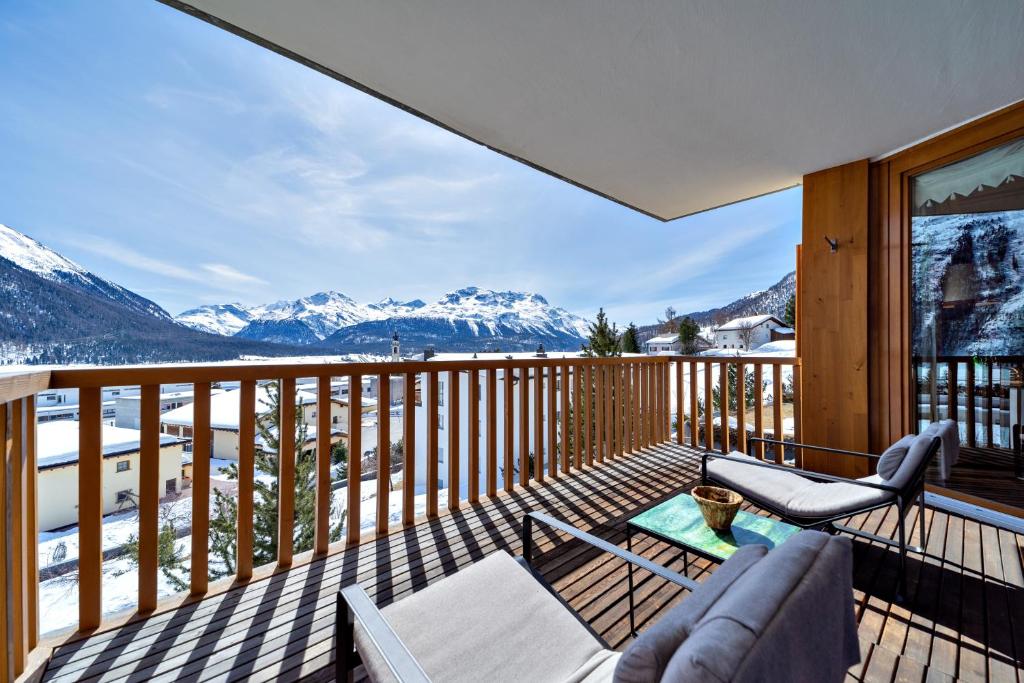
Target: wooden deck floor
956 622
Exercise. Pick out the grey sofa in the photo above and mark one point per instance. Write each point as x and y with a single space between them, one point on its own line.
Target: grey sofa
784 615
813 500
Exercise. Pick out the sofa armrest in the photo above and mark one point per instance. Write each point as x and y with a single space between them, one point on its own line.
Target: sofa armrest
600 544
794 470
825 449
355 605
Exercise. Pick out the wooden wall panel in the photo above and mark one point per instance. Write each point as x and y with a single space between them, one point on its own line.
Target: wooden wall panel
833 301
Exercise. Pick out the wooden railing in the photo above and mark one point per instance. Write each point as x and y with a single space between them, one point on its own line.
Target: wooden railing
570 413
713 396
984 402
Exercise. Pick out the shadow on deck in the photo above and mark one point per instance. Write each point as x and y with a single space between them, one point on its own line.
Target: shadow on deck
956 622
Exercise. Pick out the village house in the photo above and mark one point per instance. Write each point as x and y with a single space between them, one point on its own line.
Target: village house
225 413
745 334
663 343
57 448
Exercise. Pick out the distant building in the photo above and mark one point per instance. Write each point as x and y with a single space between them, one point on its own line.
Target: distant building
665 343
782 333
57 453
225 411
745 334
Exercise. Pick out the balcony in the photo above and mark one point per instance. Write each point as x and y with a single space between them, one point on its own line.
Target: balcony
619 453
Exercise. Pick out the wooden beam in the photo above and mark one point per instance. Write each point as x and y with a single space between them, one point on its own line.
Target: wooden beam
741 407
286 473
552 454
524 427
599 414
723 405
149 495
577 415
538 424
508 427
324 445
353 503
90 510
473 399
694 418
492 432
383 453
588 414
758 410
409 450
432 445
246 477
32 519
709 423
565 421
777 397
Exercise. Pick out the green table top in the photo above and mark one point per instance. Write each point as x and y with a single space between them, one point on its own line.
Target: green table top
679 520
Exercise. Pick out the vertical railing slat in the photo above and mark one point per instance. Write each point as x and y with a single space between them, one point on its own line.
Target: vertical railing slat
473 452
577 416
694 418
723 405
524 427
680 404
353 503
613 411
149 495
7 665
627 408
552 386
989 415
758 410
322 513
599 414
453 426
709 422
636 418
777 394
492 432
953 392
538 423
588 414
933 390
90 509
432 444
32 521
199 579
246 475
565 423
409 449
666 401
286 472
972 438
741 407
383 453
508 432
12 452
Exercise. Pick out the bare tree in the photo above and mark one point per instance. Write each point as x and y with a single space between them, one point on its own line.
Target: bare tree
746 334
669 324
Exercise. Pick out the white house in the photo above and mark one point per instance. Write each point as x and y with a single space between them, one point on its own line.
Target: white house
57 452
665 343
745 334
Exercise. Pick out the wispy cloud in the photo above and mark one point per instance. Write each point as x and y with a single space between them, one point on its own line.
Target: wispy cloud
224 273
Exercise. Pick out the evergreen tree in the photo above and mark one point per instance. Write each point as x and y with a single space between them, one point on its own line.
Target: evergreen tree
170 558
630 340
790 317
689 332
224 522
604 338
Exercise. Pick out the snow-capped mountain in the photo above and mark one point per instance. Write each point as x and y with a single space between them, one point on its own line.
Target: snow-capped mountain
34 257
481 317
968 272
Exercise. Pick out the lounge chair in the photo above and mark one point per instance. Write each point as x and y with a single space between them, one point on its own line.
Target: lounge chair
812 500
783 615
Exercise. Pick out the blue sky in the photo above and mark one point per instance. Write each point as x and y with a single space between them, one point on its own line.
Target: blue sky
194 167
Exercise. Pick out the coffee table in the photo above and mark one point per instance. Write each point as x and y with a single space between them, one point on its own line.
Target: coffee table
678 522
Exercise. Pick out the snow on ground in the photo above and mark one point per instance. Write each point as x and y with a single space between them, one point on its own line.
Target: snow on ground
58 597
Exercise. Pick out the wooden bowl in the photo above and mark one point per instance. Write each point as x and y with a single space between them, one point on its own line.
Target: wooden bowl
719 506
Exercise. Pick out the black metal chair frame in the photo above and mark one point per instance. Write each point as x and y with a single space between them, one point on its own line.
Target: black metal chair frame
353 604
902 497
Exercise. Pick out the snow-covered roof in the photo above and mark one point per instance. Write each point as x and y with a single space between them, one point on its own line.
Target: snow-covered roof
57 442
663 339
749 321
225 408
310 436
502 355
785 330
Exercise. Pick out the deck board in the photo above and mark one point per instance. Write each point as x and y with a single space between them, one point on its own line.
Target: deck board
956 622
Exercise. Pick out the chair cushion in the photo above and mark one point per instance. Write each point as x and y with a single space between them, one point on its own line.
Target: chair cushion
917 452
788 618
645 660
890 461
490 621
795 495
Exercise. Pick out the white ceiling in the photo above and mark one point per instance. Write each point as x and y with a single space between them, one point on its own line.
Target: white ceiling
668 106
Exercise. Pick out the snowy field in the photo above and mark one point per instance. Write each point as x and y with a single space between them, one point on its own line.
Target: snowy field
58 597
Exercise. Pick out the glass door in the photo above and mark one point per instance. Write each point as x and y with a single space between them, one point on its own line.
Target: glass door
967 259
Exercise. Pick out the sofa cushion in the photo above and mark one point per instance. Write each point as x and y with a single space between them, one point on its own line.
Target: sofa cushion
788 618
793 494
645 660
890 461
476 625
917 452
